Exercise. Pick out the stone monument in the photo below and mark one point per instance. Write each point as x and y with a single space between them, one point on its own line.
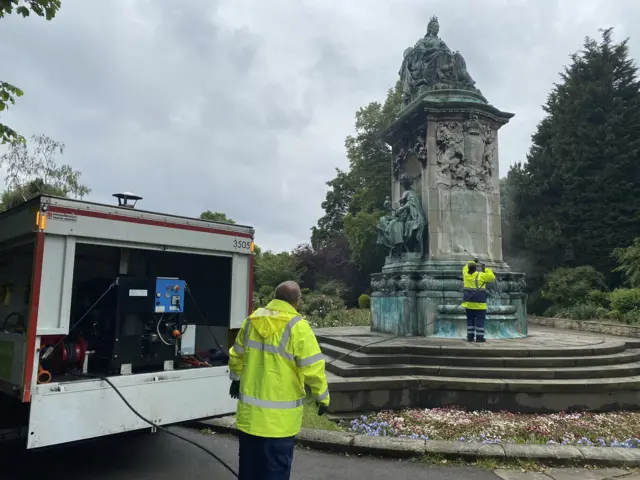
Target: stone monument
446 193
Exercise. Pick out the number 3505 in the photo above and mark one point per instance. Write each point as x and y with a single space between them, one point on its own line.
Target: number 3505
242 244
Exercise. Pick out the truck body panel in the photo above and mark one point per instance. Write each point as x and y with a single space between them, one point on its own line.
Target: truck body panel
55 230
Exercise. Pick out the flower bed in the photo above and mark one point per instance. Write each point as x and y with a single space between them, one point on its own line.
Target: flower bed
621 429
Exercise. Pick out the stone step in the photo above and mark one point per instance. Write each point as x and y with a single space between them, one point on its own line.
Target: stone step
417 382
345 369
359 358
364 394
460 348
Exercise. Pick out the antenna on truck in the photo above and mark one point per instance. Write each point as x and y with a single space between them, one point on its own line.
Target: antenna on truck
123 199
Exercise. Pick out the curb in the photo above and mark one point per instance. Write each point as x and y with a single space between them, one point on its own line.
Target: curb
556 455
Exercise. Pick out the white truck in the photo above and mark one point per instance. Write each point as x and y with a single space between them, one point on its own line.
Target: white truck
89 291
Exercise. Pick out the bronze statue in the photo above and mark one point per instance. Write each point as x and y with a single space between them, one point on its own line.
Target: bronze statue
430 65
403 229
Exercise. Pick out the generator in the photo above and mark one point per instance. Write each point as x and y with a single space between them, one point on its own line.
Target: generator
138 325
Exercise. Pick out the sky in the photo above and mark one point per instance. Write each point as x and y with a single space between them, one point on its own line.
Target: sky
243 106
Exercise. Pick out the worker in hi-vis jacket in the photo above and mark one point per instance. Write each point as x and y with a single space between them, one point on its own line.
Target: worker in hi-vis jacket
476 277
275 355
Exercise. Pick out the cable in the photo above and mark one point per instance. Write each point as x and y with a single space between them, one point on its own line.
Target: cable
20 321
159 334
47 353
162 429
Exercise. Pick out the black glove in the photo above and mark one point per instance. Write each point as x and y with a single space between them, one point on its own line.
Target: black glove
234 390
322 409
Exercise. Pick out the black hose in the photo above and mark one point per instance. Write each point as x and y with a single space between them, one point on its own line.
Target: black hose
162 429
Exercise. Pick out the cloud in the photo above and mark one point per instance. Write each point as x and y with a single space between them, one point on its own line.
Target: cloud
242 106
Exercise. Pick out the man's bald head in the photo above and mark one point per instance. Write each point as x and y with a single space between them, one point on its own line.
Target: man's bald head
288 292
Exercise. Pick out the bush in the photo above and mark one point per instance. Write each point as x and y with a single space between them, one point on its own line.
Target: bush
318 305
625 300
571 286
581 311
364 301
342 318
632 317
333 288
599 298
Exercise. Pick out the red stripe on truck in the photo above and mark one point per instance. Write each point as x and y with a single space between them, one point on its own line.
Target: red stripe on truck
144 221
32 326
251 263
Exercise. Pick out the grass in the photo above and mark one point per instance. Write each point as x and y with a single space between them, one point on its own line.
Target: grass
310 418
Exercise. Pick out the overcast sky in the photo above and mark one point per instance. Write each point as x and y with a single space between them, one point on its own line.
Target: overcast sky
242 106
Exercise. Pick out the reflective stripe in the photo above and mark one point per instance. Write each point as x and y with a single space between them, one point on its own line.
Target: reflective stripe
286 405
305 362
262 346
287 331
277 349
265 347
322 396
238 349
234 377
246 331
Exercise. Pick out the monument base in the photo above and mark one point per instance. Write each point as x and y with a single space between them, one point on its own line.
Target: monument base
415 297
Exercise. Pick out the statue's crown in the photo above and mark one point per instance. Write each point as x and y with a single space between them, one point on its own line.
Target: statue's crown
433 20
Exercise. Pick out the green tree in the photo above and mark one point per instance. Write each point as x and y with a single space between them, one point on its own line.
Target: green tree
271 269
629 262
8 92
216 217
353 204
569 286
31 172
577 194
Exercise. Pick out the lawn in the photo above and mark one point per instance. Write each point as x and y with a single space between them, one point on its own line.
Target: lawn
618 429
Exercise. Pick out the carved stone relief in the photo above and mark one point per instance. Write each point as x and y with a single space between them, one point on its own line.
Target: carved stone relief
410 144
465 154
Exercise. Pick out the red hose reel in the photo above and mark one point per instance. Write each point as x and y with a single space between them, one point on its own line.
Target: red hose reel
70 355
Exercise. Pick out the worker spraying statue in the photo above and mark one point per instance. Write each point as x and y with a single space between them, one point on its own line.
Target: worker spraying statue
474 294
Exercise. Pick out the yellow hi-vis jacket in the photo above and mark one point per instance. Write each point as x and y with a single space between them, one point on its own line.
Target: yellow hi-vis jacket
474 292
274 356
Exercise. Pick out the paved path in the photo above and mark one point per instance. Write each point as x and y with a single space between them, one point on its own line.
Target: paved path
161 457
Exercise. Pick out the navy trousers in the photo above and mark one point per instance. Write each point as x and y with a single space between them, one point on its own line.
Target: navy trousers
265 458
475 323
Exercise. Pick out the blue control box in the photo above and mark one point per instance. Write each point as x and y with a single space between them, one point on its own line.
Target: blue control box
169 295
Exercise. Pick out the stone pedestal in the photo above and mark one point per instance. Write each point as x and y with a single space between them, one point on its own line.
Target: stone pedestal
448 146
422 298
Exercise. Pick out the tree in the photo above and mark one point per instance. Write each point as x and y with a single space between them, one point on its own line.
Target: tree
569 286
353 204
629 263
331 261
30 173
271 269
216 217
8 92
576 196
